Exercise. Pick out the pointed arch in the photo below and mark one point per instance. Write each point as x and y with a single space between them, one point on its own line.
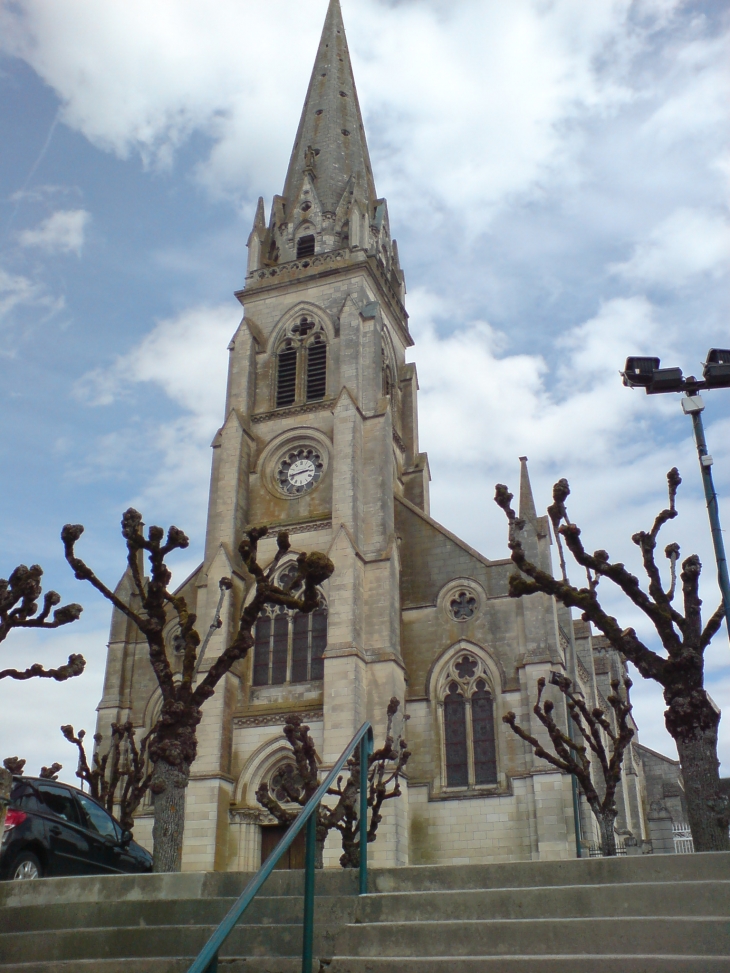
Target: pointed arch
463 688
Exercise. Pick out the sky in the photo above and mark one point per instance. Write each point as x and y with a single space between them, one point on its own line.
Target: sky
557 179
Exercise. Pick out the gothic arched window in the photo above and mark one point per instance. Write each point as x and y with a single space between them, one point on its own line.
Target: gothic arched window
316 369
470 746
305 246
482 728
457 756
289 645
301 364
286 374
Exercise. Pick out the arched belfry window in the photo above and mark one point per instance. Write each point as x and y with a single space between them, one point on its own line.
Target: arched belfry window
289 645
305 246
301 364
469 740
286 374
387 373
316 369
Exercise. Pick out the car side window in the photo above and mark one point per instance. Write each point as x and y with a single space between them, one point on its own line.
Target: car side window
97 818
58 801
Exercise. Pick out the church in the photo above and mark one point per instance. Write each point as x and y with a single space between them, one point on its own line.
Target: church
320 438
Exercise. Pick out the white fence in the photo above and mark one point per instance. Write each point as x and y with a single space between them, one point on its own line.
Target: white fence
683 844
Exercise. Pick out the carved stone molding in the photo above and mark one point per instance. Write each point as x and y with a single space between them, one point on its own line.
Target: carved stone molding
299 528
250 815
294 410
399 442
277 719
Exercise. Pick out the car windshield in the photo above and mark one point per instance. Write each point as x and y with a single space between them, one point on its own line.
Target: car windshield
97 818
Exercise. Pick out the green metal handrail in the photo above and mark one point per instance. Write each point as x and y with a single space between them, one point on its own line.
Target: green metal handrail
207 959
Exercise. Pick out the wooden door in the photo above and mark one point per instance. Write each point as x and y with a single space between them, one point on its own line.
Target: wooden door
271 834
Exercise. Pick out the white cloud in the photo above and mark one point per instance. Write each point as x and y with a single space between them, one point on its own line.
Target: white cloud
471 395
472 98
62 232
32 712
18 291
688 243
186 358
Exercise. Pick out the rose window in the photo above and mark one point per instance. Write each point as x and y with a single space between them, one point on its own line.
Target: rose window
299 471
286 783
463 606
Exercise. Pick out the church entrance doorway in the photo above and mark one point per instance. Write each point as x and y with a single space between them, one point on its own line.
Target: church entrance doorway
271 835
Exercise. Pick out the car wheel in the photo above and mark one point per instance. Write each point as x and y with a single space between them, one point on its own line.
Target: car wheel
26 866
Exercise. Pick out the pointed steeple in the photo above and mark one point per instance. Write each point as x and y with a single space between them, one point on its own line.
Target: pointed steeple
330 145
527 501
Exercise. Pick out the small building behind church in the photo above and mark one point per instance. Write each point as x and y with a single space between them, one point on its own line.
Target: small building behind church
320 438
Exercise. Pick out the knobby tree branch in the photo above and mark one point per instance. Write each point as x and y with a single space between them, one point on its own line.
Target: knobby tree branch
386 767
172 746
19 595
572 757
691 717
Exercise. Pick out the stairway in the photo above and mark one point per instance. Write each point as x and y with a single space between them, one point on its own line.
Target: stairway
651 914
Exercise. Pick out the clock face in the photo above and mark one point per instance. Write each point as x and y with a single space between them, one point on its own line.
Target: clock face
299 470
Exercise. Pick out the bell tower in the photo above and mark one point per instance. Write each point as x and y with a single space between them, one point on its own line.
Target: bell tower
320 436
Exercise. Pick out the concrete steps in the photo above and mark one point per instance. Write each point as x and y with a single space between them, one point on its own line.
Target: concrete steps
654 914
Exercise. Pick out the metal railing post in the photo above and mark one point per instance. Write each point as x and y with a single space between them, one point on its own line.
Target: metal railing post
308 932
207 959
364 754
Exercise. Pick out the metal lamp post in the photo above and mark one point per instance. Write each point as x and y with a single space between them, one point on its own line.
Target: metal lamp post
645 373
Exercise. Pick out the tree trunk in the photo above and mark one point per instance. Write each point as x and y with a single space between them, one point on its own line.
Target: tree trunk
608 835
706 806
168 785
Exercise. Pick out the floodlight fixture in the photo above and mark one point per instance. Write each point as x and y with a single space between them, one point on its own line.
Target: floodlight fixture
716 370
666 380
639 372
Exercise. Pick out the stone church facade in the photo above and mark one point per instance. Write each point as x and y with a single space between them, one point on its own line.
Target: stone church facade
320 437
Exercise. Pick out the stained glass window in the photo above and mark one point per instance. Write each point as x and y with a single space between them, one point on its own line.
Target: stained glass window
289 647
457 766
482 722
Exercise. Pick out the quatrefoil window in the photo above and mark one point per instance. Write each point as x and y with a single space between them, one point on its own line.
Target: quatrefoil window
463 606
466 667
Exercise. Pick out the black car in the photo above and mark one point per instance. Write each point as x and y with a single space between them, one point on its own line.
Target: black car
54 829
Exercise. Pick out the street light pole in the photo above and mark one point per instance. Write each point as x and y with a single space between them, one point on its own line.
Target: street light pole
644 372
694 406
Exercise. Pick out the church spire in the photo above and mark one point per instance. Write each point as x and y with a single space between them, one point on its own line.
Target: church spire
527 501
330 144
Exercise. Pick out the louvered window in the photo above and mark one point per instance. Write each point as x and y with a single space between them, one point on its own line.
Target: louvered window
305 246
292 641
482 722
457 758
316 370
286 377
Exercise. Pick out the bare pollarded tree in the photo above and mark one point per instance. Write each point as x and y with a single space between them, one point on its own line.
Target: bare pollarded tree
385 769
15 766
173 743
573 756
117 779
691 717
19 595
